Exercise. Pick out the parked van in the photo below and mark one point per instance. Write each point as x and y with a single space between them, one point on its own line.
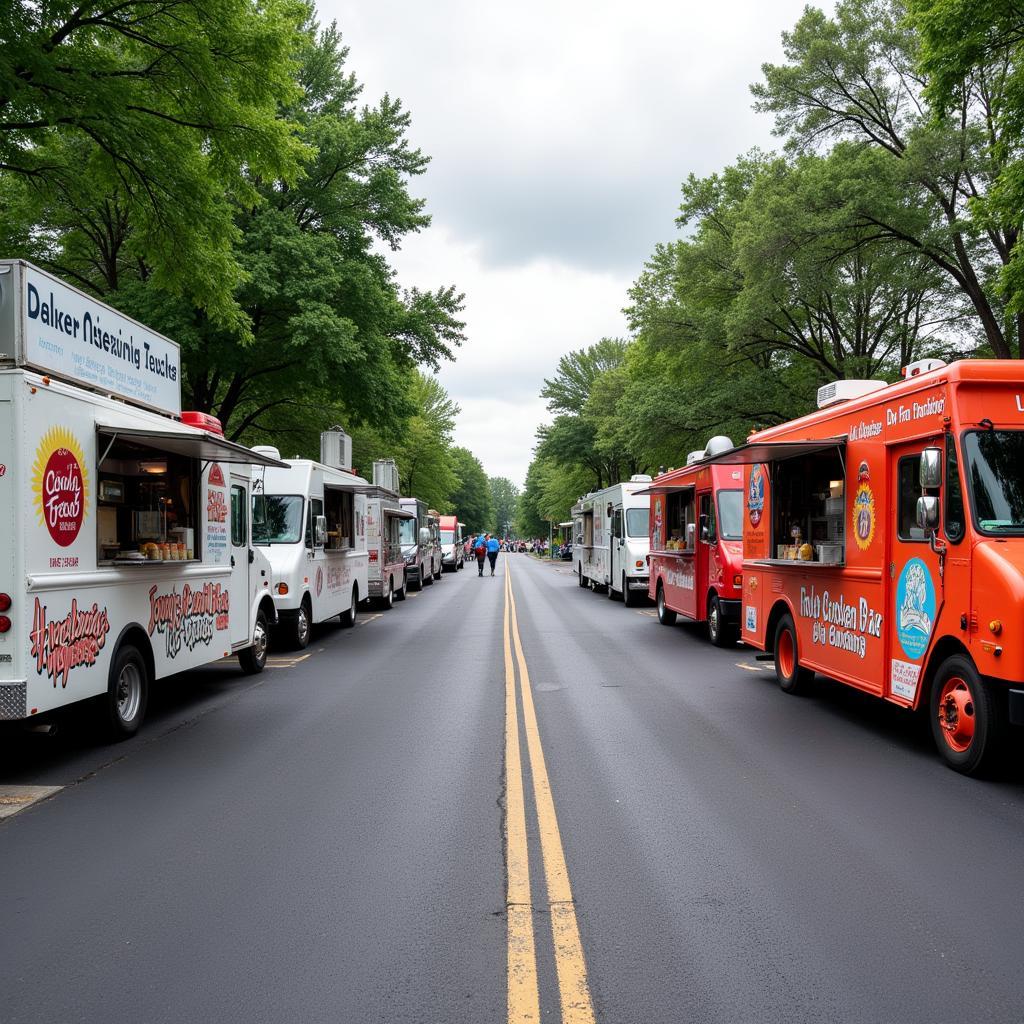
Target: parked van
417 544
884 547
309 518
611 541
125 551
451 543
696 544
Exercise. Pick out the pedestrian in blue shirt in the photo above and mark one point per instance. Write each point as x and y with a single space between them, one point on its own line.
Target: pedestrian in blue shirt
480 550
493 546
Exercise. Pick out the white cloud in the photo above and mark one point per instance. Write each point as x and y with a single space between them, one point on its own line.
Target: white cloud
559 133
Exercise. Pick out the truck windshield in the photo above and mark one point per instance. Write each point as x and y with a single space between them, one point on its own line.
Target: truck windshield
730 515
995 474
447 536
276 518
636 522
407 531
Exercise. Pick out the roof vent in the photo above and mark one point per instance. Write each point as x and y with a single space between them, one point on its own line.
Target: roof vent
694 457
266 449
385 474
336 449
915 369
846 390
717 445
640 478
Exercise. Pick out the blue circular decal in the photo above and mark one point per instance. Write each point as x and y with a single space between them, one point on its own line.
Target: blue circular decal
915 608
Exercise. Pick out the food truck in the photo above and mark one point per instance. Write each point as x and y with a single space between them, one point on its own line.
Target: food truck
125 552
384 518
696 544
418 544
451 543
309 519
436 552
611 543
883 545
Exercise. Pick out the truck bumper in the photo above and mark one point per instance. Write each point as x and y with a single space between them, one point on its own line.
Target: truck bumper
637 583
730 610
1016 702
375 588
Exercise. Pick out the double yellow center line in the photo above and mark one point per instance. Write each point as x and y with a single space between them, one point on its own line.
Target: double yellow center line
523 994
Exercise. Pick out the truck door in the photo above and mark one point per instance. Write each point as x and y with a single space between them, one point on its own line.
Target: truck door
617 544
239 589
705 550
912 583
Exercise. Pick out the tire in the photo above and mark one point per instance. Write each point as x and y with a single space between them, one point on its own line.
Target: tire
628 600
610 591
254 658
666 616
400 592
387 602
124 706
417 583
583 581
967 721
302 627
351 614
719 633
793 677
427 576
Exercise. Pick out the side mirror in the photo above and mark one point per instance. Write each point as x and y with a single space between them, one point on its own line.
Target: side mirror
928 513
930 475
425 535
320 533
691 532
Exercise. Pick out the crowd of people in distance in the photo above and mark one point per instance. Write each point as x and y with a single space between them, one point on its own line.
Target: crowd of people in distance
484 547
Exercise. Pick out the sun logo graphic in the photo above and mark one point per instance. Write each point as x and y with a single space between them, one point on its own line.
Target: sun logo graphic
60 485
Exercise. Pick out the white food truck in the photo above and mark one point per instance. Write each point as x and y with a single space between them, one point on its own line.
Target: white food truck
421 545
309 518
611 542
125 552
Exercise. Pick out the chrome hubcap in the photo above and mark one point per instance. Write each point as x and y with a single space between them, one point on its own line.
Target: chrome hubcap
129 693
302 626
259 640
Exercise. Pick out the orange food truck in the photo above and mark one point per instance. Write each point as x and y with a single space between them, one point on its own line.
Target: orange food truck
696 554
884 547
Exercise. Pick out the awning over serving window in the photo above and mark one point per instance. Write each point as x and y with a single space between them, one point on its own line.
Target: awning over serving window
399 513
774 451
194 444
355 487
666 488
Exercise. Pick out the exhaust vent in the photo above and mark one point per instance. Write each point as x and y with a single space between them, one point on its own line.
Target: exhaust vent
717 445
847 390
336 449
385 474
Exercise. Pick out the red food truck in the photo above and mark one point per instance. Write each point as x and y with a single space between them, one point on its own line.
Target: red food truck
884 547
696 552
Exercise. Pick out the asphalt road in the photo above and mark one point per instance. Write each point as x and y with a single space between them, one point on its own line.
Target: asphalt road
325 842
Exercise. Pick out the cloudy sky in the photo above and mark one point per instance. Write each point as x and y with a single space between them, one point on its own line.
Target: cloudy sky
559 134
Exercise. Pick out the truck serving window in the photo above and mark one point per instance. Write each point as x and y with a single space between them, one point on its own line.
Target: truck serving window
730 515
447 536
637 522
809 505
276 518
995 474
339 510
407 531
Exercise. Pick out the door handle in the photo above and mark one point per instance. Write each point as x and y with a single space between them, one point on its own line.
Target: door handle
252 556
232 561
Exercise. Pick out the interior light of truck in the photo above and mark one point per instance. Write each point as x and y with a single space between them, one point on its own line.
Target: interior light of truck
5 624
153 468
5 602
282 588
995 625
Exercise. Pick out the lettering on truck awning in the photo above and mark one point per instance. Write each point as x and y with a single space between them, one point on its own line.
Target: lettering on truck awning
187 441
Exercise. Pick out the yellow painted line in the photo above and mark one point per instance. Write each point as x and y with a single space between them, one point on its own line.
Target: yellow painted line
369 618
753 668
570 964
523 997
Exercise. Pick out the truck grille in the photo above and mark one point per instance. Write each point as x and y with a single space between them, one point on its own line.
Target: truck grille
13 700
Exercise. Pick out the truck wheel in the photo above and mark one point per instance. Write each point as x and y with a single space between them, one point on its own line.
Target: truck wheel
387 602
303 626
666 616
417 583
349 616
628 599
127 693
793 678
967 722
718 632
427 576
611 591
254 658
579 571
400 592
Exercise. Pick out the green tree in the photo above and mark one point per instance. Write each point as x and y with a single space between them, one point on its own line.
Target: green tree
471 499
504 495
172 105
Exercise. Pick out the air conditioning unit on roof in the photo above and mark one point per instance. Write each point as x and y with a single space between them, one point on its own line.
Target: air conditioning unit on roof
846 390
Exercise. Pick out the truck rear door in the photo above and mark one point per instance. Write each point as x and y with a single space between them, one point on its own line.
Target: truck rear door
241 554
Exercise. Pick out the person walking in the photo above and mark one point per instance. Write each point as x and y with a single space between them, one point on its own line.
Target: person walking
480 550
493 547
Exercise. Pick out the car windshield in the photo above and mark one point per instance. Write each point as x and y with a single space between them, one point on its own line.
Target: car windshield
407 531
730 515
276 518
636 522
995 475
447 536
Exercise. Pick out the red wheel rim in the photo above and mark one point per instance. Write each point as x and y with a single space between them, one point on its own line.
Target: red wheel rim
956 714
787 653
